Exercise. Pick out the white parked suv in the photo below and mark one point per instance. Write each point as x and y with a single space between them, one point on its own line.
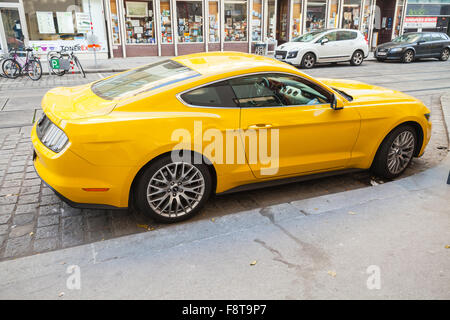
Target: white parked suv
333 45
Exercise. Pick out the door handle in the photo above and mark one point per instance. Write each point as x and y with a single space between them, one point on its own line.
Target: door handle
260 126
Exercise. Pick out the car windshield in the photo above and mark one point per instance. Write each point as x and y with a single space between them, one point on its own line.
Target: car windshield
146 78
308 36
408 38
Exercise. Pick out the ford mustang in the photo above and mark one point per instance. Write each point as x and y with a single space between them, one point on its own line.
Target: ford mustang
165 136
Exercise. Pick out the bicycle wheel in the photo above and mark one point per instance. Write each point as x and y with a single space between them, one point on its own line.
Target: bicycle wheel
11 68
34 70
77 62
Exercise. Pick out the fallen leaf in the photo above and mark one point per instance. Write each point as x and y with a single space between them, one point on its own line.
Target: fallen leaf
253 263
332 273
447 246
60 294
351 212
31 234
151 228
213 219
144 226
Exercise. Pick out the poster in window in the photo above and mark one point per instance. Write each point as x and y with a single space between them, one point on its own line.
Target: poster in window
45 22
83 22
65 22
137 9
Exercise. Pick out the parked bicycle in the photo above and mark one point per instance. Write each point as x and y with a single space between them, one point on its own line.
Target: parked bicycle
62 61
14 66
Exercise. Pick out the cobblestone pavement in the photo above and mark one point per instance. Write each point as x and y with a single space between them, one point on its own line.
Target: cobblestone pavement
34 220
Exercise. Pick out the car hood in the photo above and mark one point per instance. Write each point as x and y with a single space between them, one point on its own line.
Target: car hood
363 92
288 46
64 103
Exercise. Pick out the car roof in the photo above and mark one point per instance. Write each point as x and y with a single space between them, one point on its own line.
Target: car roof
213 63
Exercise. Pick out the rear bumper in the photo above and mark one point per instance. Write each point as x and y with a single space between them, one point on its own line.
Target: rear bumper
67 174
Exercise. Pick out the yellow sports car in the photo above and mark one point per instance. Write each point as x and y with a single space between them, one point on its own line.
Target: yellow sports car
167 135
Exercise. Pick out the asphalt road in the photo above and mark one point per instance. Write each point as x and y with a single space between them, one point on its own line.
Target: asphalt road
19 106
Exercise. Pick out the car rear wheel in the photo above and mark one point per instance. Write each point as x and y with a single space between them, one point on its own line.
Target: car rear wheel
171 191
357 58
308 60
395 152
445 54
408 56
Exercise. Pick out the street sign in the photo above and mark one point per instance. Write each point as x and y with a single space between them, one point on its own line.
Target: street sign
55 64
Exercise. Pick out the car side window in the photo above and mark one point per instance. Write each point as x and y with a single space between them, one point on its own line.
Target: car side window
426 38
443 36
330 36
346 35
271 90
436 37
218 94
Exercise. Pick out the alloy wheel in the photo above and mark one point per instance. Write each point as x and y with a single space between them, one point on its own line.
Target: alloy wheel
357 58
400 152
175 189
409 56
445 55
308 60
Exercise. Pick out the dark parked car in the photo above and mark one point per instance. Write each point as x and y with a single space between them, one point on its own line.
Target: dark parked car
415 45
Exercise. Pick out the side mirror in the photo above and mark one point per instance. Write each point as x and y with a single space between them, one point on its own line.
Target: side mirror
323 41
336 104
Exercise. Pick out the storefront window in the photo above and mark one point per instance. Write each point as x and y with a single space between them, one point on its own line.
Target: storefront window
296 18
114 22
139 22
166 24
235 20
333 20
72 24
270 19
315 15
256 20
398 18
351 14
214 26
190 21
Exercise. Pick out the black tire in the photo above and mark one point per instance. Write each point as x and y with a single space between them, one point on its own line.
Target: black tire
141 190
445 54
36 67
77 62
11 69
408 56
357 58
380 162
380 59
308 60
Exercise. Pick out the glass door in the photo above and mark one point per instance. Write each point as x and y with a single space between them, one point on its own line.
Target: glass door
13 32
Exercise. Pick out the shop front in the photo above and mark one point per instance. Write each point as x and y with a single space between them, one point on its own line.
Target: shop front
74 25
426 15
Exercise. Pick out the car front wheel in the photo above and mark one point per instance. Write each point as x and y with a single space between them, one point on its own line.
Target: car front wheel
308 60
395 152
171 191
357 58
408 56
445 54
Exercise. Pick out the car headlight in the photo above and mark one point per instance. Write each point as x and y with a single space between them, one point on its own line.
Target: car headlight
396 50
51 135
292 54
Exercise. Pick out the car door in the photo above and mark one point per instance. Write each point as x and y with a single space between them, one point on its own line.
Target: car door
437 45
423 46
346 44
328 50
292 119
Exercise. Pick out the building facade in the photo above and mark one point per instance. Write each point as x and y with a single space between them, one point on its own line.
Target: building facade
123 28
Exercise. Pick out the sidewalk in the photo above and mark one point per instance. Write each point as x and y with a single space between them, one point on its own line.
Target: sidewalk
321 248
123 64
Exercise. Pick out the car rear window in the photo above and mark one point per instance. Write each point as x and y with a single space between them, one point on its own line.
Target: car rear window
146 78
217 94
346 35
